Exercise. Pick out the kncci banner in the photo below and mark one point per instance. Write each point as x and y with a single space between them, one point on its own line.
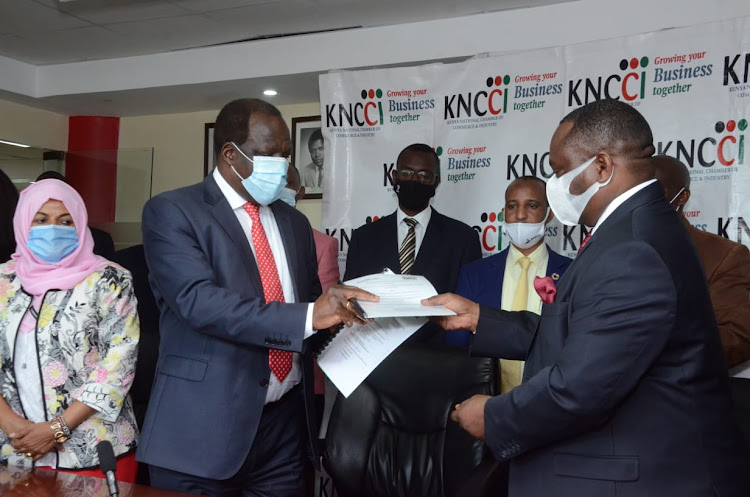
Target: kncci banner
490 120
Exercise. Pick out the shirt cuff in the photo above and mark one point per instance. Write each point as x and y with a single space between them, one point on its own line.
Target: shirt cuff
309 331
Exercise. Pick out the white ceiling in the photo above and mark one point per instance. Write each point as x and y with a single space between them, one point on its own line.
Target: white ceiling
53 37
43 32
140 57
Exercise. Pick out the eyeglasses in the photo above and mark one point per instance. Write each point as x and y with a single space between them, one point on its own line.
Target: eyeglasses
424 177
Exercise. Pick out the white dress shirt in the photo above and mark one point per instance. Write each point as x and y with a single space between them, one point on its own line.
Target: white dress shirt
618 201
276 389
422 219
28 376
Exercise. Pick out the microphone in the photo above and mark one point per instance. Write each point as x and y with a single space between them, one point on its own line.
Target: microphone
108 465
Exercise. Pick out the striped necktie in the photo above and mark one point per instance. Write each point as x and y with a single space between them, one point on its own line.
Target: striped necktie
408 247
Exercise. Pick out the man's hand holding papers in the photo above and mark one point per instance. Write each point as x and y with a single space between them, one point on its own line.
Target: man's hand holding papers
465 312
356 351
401 295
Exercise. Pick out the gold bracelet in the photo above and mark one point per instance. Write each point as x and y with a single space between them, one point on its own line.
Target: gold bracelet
58 432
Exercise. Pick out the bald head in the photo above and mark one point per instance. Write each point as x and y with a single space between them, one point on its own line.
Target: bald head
672 174
674 177
537 185
610 125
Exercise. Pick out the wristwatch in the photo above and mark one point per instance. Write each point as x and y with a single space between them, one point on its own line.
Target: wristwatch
57 430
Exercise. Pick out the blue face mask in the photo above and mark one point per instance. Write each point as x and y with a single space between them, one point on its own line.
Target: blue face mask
52 243
267 179
289 196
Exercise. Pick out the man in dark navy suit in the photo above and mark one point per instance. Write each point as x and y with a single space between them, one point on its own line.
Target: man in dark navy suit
416 239
233 270
625 389
494 280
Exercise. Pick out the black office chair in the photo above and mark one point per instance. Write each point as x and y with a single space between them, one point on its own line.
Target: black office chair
740 390
393 436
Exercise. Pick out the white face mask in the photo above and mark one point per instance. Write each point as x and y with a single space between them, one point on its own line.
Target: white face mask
677 207
267 179
289 196
525 235
566 206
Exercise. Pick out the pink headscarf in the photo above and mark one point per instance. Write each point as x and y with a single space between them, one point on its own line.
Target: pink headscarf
36 275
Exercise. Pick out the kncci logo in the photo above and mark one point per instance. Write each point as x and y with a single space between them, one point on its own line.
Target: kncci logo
725 156
490 235
630 86
477 104
367 113
728 149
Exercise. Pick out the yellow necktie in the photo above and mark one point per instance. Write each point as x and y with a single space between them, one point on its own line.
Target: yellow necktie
510 371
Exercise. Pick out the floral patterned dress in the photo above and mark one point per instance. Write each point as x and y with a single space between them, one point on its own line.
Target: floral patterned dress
86 343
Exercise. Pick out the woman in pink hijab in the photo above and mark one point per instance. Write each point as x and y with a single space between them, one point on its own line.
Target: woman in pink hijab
68 341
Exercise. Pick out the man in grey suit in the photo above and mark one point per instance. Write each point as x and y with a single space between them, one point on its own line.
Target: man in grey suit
233 270
625 389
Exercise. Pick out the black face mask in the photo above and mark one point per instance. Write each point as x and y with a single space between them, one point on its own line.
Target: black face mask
413 195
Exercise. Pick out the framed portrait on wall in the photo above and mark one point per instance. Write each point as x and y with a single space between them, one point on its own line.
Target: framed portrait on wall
208 149
308 152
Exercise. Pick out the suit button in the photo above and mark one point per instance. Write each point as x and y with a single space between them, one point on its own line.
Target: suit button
288 343
264 383
268 341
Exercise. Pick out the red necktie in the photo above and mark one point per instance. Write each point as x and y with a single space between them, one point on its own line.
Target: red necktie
584 242
280 361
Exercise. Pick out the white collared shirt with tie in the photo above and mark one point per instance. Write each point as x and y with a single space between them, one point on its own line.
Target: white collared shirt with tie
276 389
422 219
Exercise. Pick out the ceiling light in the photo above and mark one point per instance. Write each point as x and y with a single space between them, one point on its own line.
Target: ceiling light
15 144
270 93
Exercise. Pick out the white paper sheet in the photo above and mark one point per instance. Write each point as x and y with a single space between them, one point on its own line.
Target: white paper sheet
356 351
400 296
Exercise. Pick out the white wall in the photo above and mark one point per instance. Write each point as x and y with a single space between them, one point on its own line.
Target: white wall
30 126
178 143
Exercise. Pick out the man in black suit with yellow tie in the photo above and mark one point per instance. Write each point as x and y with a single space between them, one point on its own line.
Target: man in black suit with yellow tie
416 239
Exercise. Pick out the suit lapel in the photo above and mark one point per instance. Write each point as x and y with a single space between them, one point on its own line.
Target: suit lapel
284 222
555 264
390 240
651 193
429 246
497 288
225 217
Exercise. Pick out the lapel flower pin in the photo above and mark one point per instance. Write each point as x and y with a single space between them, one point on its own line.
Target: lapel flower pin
546 289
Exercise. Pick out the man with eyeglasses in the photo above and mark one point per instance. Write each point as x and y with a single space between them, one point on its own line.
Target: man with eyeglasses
416 239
